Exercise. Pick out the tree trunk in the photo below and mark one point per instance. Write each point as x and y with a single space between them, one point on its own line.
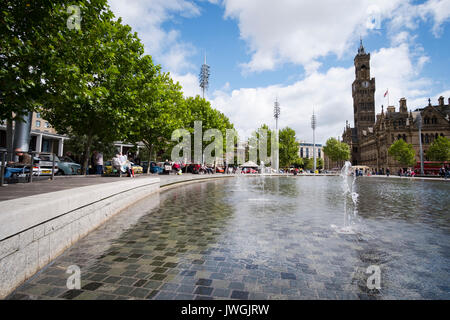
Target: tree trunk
9 140
87 150
150 150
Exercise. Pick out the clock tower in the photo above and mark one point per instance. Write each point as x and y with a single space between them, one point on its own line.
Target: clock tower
363 92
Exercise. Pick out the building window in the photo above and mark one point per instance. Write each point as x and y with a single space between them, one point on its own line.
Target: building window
307 152
38 123
47 125
433 121
319 153
426 120
38 115
301 152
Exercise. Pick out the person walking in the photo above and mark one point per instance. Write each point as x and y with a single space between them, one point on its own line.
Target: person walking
98 162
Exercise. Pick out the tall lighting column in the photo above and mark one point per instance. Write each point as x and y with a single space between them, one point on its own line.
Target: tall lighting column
419 124
313 126
204 77
276 114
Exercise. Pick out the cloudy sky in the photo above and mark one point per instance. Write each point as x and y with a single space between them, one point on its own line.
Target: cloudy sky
300 51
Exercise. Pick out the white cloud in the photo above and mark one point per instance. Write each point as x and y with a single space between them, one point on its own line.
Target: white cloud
396 68
189 82
146 18
302 31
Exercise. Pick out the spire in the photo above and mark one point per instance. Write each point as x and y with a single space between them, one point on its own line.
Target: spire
361 47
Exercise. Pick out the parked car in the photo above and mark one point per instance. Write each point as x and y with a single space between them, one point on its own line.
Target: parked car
137 168
155 168
220 170
249 170
67 166
43 165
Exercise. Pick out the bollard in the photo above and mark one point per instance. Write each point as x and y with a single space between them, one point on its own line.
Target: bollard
53 166
2 171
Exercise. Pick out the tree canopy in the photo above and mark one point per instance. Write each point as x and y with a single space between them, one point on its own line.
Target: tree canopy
288 147
402 152
439 150
336 150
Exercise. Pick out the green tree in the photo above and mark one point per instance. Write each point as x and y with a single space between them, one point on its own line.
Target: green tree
402 152
298 163
288 147
201 110
439 150
162 109
336 150
93 88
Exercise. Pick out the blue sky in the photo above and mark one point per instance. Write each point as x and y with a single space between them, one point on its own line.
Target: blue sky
299 51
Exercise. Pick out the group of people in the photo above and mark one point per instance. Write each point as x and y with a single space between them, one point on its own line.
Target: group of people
121 163
444 172
406 173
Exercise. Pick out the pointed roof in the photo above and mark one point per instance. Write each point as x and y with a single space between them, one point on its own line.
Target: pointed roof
361 49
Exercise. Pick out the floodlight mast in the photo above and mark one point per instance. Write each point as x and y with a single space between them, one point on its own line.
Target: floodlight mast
204 77
313 126
276 114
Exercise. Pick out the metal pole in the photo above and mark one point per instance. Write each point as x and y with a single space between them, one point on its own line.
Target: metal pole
419 123
31 167
313 126
2 172
53 166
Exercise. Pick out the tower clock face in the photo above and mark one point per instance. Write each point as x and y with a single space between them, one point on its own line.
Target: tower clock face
365 84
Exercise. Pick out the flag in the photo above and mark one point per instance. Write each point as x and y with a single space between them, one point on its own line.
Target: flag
386 93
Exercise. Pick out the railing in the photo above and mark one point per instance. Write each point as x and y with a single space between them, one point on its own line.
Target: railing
31 165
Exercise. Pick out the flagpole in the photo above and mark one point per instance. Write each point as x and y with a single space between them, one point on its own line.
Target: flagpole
388 97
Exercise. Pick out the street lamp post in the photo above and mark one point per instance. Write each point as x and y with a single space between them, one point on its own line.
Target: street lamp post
419 124
313 126
276 114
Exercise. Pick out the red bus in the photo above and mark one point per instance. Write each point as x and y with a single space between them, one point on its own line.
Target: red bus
431 167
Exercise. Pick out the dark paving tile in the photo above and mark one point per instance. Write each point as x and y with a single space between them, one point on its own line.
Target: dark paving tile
92 286
159 270
206 291
152 294
289 276
204 282
98 277
242 295
71 294
170 265
158 277
139 283
112 279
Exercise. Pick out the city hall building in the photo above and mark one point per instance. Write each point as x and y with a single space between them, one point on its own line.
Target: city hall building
371 136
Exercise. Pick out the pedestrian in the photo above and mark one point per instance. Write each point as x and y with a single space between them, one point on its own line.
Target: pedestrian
98 162
388 172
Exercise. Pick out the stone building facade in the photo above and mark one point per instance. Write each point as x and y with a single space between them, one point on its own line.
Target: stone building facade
370 138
